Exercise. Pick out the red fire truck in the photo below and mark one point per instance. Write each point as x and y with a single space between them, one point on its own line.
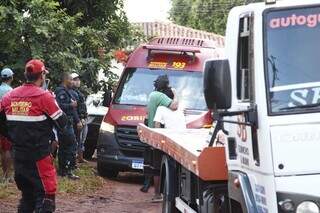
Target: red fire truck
182 59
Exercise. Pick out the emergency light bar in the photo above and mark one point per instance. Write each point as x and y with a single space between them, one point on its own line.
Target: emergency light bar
176 49
172 49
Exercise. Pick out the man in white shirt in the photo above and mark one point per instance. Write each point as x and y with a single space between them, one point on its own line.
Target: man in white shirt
169 119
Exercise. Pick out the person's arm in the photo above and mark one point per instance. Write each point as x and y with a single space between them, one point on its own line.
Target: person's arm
52 109
3 126
168 102
174 104
75 111
157 124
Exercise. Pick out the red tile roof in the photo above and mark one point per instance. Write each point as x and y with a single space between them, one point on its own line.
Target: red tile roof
167 29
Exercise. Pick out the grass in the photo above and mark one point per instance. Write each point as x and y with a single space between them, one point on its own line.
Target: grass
88 182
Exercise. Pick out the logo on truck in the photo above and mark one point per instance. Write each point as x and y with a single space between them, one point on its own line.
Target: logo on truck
242 130
133 118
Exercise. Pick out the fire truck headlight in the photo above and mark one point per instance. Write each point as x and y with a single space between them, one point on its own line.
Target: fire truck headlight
308 207
107 127
287 205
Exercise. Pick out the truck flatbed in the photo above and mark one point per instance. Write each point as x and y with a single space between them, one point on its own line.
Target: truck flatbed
190 148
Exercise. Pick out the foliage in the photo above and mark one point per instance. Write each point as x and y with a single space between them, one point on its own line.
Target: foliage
208 15
66 34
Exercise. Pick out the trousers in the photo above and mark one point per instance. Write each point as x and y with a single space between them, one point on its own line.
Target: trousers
67 149
37 182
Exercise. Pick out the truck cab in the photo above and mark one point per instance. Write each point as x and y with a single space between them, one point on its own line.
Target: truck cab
270 110
182 59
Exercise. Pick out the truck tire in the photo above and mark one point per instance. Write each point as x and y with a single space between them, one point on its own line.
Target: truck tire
167 205
169 186
108 173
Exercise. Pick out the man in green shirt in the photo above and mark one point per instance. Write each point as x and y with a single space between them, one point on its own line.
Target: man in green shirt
158 98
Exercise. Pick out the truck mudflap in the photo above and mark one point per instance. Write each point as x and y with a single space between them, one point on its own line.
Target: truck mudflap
240 191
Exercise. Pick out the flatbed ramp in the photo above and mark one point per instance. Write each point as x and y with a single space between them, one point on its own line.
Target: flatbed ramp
190 148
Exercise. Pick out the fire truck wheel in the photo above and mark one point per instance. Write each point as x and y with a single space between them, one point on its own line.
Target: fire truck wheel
167 205
103 172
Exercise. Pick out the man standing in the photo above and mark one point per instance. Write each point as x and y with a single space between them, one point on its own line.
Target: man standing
67 140
27 117
5 144
158 98
83 115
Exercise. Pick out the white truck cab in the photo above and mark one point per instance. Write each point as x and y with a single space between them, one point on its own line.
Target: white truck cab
270 109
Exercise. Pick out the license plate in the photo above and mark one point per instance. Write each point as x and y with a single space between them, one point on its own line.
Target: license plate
137 164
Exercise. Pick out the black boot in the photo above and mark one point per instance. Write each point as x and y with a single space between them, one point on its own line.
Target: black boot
48 205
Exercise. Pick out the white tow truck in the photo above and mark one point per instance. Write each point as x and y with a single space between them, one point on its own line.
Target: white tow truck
266 100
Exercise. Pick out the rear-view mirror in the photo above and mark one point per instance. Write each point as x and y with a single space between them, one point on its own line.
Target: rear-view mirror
217 84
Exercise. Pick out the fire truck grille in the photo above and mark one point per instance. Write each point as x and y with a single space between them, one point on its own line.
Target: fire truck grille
128 138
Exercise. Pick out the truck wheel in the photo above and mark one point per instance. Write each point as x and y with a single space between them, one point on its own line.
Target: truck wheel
108 173
167 205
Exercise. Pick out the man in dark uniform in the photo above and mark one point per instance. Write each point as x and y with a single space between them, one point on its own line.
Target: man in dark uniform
67 141
28 114
83 114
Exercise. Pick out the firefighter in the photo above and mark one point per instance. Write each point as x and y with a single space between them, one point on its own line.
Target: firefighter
28 114
67 141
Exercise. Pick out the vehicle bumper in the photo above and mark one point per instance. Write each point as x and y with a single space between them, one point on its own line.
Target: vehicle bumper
114 157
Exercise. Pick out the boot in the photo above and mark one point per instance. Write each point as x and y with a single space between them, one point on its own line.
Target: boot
48 205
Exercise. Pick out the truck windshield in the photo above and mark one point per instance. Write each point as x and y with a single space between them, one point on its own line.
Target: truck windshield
137 84
293 60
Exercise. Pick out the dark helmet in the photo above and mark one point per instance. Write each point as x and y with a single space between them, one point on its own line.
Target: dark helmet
161 82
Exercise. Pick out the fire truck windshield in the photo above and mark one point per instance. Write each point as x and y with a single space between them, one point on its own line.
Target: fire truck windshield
292 60
137 84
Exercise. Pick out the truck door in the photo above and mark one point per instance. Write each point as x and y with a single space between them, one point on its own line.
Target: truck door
242 149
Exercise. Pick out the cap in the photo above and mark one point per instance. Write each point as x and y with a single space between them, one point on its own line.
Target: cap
75 75
6 73
35 66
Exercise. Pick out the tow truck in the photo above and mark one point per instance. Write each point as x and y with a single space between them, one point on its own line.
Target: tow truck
265 97
182 59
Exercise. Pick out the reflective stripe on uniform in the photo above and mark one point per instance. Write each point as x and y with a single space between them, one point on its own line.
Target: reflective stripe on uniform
56 115
26 118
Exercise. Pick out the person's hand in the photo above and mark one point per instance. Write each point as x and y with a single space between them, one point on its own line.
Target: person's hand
54 145
79 125
74 104
174 91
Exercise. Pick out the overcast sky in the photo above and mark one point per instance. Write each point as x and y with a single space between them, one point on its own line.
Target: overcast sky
147 10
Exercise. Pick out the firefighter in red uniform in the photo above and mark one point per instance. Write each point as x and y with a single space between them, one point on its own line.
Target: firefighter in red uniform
28 114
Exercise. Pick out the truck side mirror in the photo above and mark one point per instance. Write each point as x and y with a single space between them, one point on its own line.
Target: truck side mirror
217 84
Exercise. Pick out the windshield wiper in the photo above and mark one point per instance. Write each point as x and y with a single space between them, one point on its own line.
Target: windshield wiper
301 106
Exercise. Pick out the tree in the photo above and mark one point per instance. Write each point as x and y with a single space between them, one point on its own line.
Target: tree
208 15
65 34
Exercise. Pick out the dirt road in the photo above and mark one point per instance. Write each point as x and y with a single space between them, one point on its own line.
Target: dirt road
116 196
